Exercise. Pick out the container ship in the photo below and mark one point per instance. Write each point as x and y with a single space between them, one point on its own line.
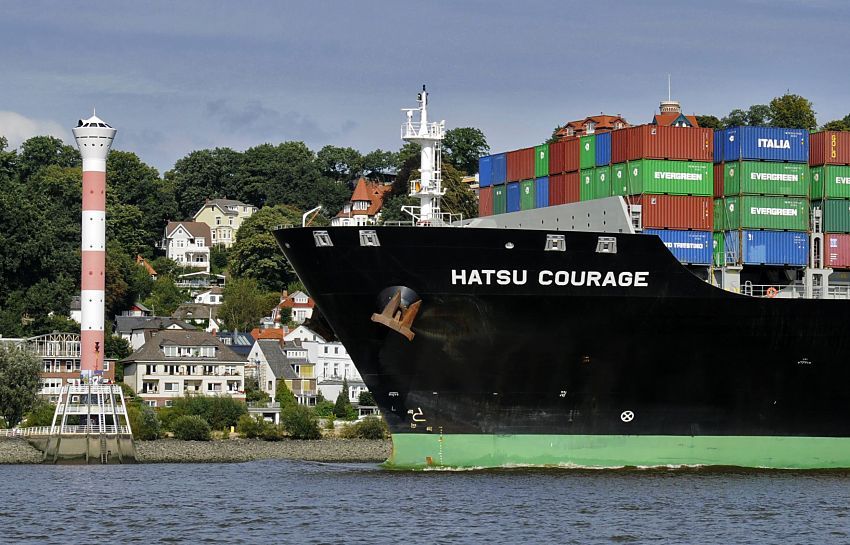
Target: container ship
651 296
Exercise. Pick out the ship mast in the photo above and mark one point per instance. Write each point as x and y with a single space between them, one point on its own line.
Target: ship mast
428 188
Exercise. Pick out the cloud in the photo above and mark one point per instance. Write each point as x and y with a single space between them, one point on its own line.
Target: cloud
264 123
17 128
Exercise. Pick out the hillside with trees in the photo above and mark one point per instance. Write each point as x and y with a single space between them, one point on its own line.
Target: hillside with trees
40 206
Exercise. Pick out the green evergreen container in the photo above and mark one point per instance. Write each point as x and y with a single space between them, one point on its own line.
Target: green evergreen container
620 179
586 185
587 151
671 177
830 182
541 161
602 181
761 212
718 249
763 178
526 195
500 199
836 215
719 209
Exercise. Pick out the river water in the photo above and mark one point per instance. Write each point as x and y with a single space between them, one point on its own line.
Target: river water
301 502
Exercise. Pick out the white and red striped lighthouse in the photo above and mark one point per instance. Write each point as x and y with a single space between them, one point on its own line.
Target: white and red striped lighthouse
94 138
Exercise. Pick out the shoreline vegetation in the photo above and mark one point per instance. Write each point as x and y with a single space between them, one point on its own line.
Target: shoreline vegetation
19 451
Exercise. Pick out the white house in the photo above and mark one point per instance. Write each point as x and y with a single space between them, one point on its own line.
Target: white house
300 307
332 363
173 363
364 207
188 243
136 330
287 363
212 296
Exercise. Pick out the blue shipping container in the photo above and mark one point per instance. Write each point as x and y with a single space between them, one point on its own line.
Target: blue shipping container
513 197
541 192
603 149
485 171
692 247
765 144
718 145
768 247
498 168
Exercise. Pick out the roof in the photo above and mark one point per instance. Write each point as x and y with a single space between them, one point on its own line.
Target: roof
196 311
195 228
668 119
126 324
367 191
152 349
603 122
277 360
275 333
144 263
222 205
288 301
140 306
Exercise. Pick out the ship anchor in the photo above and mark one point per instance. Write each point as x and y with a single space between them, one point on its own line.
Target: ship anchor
397 317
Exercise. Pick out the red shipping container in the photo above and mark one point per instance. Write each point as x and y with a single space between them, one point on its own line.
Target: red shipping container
829 148
655 142
675 212
521 164
837 251
564 156
718 179
485 202
563 188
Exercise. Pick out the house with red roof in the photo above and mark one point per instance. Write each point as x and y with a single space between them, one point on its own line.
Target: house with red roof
300 307
364 207
591 125
671 116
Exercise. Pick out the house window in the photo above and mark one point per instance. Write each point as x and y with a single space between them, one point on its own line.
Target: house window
209 369
170 386
199 242
270 386
170 351
230 370
218 220
106 366
171 369
150 369
213 386
150 403
69 366
190 369
169 402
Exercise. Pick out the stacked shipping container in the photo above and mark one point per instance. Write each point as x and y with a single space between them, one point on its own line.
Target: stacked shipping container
830 192
761 199
764 181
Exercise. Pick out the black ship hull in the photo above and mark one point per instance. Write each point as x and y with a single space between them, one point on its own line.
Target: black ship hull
521 355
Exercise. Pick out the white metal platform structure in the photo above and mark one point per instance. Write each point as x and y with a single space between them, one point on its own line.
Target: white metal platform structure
90 424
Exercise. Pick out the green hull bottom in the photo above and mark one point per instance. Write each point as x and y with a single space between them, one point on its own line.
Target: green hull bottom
413 450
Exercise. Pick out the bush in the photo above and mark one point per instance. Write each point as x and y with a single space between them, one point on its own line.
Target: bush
324 409
300 422
251 427
273 433
191 428
220 412
370 427
342 407
144 423
40 415
283 395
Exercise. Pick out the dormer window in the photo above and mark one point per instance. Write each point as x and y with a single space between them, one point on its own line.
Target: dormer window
590 127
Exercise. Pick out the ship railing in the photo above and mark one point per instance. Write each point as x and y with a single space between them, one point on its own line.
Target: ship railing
790 291
414 129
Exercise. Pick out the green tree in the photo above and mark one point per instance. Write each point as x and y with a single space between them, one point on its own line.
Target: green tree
19 382
342 407
758 115
836 125
324 409
283 395
206 174
554 136
391 210
709 122
300 422
191 428
165 296
221 412
366 398
256 254
40 415
218 259
792 111
459 199
144 422
245 304
408 160
116 347
341 164
42 151
253 393
463 146
377 164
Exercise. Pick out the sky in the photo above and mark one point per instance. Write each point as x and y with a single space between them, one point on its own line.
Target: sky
174 77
